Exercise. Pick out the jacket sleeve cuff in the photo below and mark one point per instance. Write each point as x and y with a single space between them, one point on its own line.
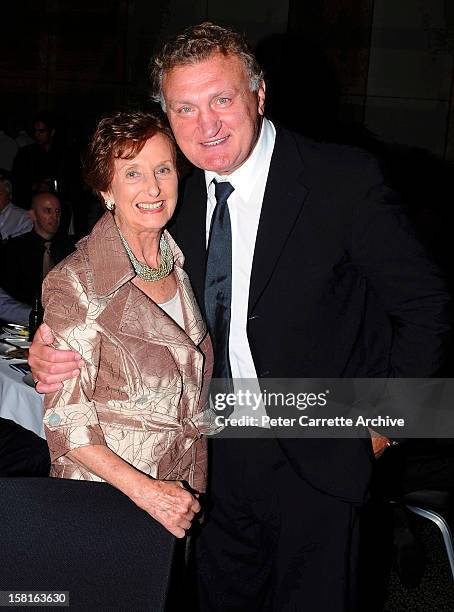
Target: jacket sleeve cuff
71 427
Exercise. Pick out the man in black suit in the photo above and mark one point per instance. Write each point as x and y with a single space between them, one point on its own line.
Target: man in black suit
27 258
318 275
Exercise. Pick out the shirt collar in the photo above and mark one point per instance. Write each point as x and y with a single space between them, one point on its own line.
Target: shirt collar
243 178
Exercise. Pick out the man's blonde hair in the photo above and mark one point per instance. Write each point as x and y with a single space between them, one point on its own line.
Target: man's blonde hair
196 44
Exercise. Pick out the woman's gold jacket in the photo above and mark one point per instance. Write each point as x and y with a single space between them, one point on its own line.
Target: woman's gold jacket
143 389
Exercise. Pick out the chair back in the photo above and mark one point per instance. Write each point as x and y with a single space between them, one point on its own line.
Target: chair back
83 537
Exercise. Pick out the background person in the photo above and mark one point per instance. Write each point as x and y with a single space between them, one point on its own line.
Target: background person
12 311
37 160
14 221
49 157
8 148
123 301
27 258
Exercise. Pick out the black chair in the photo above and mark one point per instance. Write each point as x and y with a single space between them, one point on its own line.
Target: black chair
436 506
83 537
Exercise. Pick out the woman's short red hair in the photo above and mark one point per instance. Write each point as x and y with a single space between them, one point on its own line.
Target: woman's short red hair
122 135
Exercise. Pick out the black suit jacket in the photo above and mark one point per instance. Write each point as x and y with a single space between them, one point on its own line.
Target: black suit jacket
340 287
21 258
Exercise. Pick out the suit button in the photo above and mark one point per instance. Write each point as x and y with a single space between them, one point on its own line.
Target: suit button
264 373
252 317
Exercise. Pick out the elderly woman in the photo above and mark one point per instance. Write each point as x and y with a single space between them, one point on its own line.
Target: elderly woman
135 416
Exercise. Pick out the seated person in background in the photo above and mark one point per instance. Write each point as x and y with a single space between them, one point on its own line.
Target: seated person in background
13 311
22 452
13 220
49 185
27 258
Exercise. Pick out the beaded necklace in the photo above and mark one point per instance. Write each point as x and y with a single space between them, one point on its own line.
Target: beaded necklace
147 273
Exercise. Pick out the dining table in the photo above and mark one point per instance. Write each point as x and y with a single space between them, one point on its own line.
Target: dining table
19 401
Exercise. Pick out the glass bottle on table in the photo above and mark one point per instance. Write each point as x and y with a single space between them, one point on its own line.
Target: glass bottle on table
36 316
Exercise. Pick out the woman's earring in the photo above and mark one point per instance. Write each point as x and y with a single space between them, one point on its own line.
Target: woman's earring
110 204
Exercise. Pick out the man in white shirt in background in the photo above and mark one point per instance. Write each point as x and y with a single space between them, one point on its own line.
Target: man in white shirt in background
13 311
14 221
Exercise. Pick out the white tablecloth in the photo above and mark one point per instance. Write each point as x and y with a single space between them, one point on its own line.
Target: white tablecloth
18 401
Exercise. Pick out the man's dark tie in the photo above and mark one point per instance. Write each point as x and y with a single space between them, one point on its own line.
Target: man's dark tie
218 281
48 262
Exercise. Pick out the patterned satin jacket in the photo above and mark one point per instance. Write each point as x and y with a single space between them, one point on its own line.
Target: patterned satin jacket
143 390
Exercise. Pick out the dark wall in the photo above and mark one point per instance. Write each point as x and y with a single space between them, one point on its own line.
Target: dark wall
379 64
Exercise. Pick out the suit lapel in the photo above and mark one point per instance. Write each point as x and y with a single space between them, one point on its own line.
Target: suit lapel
194 323
282 203
189 230
284 197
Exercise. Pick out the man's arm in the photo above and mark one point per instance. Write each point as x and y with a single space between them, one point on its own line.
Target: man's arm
11 310
49 365
23 225
409 285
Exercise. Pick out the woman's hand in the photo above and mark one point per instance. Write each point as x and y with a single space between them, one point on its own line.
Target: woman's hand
169 503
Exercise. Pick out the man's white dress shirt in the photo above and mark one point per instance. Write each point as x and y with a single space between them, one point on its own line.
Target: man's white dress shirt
245 205
14 221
